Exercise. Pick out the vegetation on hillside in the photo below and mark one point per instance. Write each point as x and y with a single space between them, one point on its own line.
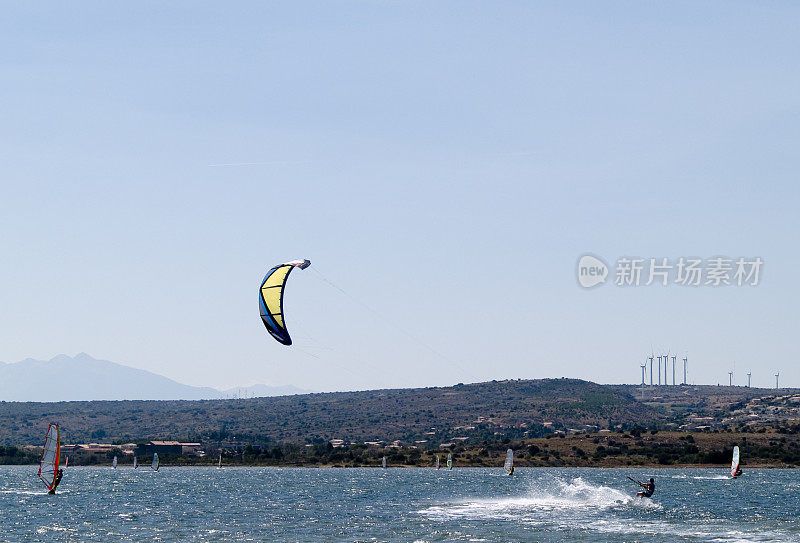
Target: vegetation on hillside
476 412
550 422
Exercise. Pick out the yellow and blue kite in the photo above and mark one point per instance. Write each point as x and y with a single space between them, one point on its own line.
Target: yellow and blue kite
270 298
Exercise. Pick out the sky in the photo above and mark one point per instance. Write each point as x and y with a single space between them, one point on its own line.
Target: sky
443 165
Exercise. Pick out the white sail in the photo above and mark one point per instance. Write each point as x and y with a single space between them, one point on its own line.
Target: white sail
383 462
509 464
437 461
135 463
114 463
449 461
219 464
735 461
155 462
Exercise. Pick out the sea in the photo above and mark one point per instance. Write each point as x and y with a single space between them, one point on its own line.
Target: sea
398 504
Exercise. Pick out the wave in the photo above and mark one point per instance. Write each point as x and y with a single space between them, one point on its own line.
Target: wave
566 505
26 492
55 528
575 494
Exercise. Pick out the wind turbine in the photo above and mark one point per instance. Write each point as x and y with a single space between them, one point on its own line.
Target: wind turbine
673 369
659 370
776 379
748 379
684 370
651 368
644 367
730 378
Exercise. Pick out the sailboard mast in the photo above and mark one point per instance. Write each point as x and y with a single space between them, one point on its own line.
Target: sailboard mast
383 462
48 464
437 461
735 461
135 463
155 462
219 464
114 462
449 460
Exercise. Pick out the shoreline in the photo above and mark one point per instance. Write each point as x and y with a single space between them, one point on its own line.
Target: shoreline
721 467
652 449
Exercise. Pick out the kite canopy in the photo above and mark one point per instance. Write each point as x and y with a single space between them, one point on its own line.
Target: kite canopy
270 298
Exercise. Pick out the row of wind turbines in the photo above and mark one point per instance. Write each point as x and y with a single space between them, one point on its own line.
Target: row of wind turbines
665 359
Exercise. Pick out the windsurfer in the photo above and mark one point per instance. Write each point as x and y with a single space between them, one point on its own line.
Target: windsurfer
511 471
649 488
738 471
59 475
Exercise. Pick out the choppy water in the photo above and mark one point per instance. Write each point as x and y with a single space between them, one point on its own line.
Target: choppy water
306 504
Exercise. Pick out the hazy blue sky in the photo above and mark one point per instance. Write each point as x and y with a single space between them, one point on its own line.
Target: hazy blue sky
443 163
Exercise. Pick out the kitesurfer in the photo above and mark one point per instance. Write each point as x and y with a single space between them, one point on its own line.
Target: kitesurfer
649 488
59 475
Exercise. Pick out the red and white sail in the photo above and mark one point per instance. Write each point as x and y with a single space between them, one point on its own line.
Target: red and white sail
735 461
48 465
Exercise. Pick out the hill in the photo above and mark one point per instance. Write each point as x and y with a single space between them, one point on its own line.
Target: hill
431 415
549 422
702 407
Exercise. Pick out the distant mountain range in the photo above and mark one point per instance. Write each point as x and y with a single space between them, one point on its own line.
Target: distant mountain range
83 378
